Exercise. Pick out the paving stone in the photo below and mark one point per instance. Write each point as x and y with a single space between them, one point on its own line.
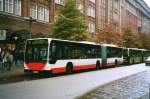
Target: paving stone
133 87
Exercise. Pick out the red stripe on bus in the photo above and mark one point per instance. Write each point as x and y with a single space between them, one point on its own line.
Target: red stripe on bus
84 67
63 69
59 70
36 65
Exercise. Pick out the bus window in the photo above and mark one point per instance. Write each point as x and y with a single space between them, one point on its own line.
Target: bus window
114 52
52 55
36 51
59 52
36 54
108 52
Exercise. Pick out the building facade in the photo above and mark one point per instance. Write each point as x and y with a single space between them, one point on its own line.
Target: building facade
109 13
135 15
23 17
36 16
16 15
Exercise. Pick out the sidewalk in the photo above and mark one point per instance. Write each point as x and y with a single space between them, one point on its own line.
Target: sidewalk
15 70
133 87
14 75
71 86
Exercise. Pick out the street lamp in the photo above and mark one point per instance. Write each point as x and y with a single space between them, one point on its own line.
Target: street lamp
16 45
30 20
15 38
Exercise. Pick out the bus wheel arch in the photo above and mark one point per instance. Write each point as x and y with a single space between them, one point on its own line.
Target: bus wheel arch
98 65
69 67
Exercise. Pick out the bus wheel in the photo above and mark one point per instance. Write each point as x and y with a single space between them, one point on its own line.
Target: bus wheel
98 66
116 63
69 68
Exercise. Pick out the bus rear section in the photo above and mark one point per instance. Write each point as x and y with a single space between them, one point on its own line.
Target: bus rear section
36 54
135 56
112 55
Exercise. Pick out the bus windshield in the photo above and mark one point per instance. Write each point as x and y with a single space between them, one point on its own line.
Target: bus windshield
36 50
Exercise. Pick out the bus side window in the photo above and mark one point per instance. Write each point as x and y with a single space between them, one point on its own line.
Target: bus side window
53 50
97 53
88 53
53 54
108 52
59 52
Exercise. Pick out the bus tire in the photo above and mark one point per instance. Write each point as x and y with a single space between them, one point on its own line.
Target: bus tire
69 68
98 65
116 63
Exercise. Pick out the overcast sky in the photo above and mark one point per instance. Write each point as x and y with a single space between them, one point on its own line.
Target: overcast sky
148 2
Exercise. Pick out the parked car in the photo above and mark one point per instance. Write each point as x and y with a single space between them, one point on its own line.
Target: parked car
147 62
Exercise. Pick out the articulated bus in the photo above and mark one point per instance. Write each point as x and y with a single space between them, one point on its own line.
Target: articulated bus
112 55
134 55
57 56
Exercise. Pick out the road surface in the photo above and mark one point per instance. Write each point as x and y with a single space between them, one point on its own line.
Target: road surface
68 86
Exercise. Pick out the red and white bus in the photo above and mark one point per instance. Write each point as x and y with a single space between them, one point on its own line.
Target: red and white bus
57 56
112 55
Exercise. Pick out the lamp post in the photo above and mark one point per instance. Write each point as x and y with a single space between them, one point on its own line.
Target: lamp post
30 20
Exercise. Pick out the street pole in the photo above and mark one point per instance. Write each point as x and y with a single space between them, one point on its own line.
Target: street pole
30 20
30 30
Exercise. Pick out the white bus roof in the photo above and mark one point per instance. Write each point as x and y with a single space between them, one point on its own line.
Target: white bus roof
82 42
87 42
137 49
110 45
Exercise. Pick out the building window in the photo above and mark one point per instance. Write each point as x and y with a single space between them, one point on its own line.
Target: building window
81 6
33 11
91 27
92 1
61 2
91 11
39 12
9 6
1 5
13 6
46 14
17 7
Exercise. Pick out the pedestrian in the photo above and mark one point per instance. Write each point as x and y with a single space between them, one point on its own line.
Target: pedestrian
15 57
1 61
5 61
1 55
9 60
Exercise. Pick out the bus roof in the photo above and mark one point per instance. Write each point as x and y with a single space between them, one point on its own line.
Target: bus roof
109 45
137 49
87 42
82 42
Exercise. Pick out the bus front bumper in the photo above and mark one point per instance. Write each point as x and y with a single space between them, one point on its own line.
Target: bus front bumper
37 71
